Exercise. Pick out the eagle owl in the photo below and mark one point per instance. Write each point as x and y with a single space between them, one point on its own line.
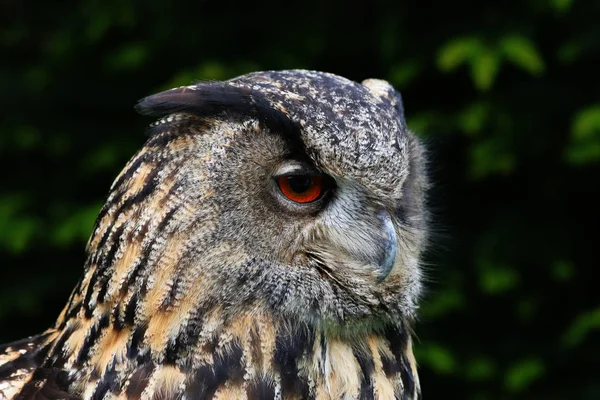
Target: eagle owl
263 244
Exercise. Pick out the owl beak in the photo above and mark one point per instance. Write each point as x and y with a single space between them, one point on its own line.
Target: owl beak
388 247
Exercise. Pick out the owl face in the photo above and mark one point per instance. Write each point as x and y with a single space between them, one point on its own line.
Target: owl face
295 193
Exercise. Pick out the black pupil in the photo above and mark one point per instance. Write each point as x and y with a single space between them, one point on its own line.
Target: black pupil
300 183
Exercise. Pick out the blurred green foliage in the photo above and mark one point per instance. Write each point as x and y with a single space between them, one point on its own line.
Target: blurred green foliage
506 95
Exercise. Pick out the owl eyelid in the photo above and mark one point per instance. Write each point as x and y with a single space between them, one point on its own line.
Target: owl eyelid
296 169
300 173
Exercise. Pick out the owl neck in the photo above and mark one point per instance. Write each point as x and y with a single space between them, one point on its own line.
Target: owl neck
251 353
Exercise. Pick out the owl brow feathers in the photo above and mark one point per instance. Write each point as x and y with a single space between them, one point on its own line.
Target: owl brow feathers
207 99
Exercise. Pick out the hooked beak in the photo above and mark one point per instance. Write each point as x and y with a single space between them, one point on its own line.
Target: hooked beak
368 237
388 247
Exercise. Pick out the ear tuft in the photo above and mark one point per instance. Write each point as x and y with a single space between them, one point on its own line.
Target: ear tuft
210 99
383 90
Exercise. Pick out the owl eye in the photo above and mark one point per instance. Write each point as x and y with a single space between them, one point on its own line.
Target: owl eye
301 188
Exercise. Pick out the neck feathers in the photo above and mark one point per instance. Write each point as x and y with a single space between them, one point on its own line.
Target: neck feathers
247 357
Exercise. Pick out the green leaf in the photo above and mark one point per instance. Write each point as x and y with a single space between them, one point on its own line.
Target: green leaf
561 6
436 357
402 74
586 123
11 36
443 302
583 154
570 51
77 226
129 57
583 324
495 279
27 137
457 52
480 369
487 157
98 26
22 234
562 270
101 158
526 309
59 44
37 78
484 68
426 122
473 118
17 229
522 374
521 52
584 145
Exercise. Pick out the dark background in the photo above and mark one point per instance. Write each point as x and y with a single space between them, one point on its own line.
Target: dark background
506 96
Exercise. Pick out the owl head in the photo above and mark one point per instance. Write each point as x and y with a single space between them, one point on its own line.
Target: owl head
297 194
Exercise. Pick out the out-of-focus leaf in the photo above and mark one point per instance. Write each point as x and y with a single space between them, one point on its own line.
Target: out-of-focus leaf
402 74
59 145
583 154
522 374
129 57
212 71
24 301
584 145
562 270
387 35
586 123
570 51
103 157
77 226
98 26
12 36
59 44
495 279
442 302
521 52
526 309
583 324
484 68
487 157
427 123
480 369
17 229
26 137
9 206
103 16
37 78
209 70
561 6
437 357
21 234
457 52
472 119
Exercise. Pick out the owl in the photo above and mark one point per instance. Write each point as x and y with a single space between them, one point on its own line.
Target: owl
264 243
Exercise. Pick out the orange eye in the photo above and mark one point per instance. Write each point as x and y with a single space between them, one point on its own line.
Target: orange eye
301 188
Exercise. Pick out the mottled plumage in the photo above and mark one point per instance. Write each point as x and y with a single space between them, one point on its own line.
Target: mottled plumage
203 281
